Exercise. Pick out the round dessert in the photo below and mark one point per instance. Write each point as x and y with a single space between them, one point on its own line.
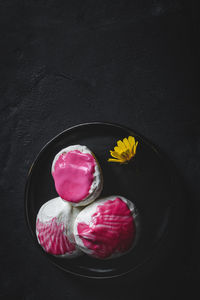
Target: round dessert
54 228
106 228
77 175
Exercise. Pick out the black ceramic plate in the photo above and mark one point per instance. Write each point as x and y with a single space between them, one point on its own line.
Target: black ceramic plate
147 180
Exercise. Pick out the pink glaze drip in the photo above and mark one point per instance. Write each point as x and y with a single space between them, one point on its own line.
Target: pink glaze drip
73 175
52 237
112 229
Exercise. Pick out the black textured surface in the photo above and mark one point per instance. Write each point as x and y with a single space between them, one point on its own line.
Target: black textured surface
68 62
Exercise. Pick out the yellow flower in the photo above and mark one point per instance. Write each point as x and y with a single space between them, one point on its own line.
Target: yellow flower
124 150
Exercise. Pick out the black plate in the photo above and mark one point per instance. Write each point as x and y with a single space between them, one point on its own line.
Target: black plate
148 180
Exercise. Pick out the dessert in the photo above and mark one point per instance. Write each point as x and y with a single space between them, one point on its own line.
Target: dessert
106 228
77 175
54 228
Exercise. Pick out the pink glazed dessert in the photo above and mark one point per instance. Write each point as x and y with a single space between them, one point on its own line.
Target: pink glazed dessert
77 175
106 228
54 228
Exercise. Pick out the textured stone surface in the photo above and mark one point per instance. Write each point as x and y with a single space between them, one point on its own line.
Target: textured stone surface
67 62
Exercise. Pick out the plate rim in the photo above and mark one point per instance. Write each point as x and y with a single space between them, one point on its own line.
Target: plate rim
29 176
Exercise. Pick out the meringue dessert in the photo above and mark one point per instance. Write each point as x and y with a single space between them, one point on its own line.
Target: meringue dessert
54 228
106 228
77 175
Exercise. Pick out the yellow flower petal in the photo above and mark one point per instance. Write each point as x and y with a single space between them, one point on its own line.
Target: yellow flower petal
118 150
129 154
115 154
126 143
121 145
131 140
134 148
116 160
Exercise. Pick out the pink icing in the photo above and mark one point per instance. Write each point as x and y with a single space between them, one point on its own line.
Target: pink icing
112 229
52 237
73 175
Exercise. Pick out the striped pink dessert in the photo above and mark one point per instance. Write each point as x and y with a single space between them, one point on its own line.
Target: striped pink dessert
54 228
106 228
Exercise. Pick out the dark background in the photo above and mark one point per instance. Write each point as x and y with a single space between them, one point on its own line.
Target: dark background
68 62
